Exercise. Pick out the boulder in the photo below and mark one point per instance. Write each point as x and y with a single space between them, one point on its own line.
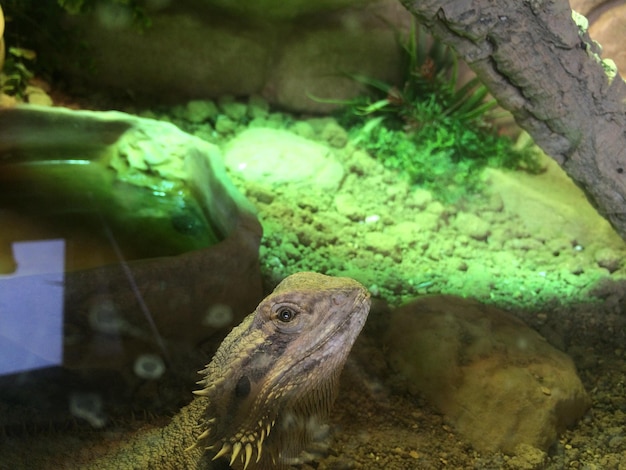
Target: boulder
500 384
288 52
273 158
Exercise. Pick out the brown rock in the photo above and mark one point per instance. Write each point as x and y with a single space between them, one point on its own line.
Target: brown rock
275 49
498 381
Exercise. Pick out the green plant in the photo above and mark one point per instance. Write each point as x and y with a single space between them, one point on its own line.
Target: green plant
431 128
430 91
43 26
17 71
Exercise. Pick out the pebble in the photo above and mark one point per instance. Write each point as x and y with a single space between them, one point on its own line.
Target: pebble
224 124
231 108
472 226
335 135
258 107
198 111
608 258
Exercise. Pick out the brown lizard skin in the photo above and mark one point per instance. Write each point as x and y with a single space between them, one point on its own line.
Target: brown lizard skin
273 380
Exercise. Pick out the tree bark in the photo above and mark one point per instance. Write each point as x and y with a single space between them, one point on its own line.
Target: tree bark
545 69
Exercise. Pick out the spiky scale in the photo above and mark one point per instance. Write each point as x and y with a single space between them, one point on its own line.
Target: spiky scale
235 452
259 450
205 434
223 451
248 449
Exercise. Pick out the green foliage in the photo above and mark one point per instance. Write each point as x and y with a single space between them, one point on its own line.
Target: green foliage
431 128
39 25
17 71
29 23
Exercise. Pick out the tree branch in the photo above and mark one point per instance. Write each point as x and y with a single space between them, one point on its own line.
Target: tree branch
544 68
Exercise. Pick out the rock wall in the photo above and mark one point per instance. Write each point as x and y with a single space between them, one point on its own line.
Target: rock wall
285 51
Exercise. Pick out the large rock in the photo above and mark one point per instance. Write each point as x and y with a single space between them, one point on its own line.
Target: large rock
286 51
499 382
276 157
281 9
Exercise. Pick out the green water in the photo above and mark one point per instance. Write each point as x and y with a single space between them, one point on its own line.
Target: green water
84 203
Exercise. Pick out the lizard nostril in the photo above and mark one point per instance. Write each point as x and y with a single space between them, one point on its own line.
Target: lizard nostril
242 389
342 297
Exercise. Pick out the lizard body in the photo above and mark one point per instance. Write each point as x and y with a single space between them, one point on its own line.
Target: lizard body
273 380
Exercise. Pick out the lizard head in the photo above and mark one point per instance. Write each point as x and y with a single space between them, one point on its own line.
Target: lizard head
274 378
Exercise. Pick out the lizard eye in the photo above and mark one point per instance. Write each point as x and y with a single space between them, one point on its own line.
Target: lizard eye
285 315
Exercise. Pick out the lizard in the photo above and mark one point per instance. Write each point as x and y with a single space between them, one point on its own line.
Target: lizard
274 378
